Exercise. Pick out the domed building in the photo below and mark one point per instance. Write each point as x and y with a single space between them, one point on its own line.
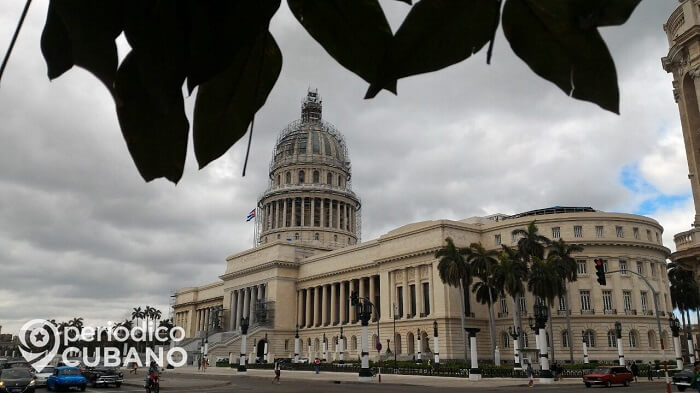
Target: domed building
308 260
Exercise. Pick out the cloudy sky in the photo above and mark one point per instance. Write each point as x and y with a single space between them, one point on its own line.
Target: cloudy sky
81 234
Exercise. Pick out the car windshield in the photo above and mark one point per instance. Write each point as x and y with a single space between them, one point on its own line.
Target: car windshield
600 371
690 368
15 373
70 371
47 370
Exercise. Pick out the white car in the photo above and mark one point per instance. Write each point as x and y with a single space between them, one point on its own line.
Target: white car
42 376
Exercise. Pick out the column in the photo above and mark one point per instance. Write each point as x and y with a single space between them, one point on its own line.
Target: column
307 320
363 287
420 301
239 308
317 306
313 212
372 295
303 207
299 306
323 216
325 320
284 213
343 303
233 310
337 214
246 304
334 309
251 305
406 302
352 314
431 290
390 290
347 217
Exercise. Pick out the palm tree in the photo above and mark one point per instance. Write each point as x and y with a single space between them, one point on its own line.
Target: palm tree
545 283
455 272
137 314
510 273
148 314
482 262
568 271
531 243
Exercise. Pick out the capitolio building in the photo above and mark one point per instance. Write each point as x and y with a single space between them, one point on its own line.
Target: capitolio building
309 258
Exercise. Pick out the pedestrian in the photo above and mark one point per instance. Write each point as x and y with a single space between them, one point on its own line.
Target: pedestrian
650 372
199 364
317 365
135 367
204 365
635 370
530 376
277 373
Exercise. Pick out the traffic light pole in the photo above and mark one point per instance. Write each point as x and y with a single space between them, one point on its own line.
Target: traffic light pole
658 322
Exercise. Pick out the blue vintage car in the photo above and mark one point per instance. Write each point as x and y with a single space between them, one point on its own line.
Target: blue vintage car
66 377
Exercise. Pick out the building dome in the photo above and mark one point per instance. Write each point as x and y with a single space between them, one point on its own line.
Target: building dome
310 199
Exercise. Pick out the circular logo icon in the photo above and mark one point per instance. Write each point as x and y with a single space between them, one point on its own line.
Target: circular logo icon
38 342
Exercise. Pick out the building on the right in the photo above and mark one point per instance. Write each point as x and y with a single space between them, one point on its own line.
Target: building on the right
683 61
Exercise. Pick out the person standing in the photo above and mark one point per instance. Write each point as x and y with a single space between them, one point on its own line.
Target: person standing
278 372
530 376
650 371
317 365
635 370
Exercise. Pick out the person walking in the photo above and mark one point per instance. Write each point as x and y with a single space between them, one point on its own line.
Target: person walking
650 371
635 370
530 376
278 372
317 365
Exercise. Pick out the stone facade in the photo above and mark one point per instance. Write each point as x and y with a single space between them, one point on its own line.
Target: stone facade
303 283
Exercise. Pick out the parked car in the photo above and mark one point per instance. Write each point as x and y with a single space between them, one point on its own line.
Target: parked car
103 376
18 364
66 377
43 375
16 380
684 378
607 376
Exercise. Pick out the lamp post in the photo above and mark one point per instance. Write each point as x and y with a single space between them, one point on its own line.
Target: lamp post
474 371
585 347
325 348
689 337
514 332
620 350
420 348
244 336
296 345
436 345
675 329
342 347
396 348
533 325
336 343
308 349
541 315
364 307
265 354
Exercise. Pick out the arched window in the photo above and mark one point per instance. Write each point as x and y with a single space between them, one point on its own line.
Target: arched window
612 339
302 177
316 345
353 343
329 178
634 338
316 177
410 342
526 341
278 236
505 340
288 178
589 338
286 345
335 238
651 336
296 236
565 339
397 344
316 236
278 180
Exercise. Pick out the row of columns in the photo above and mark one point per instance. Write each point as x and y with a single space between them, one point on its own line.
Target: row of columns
406 294
243 303
181 319
204 318
329 304
306 211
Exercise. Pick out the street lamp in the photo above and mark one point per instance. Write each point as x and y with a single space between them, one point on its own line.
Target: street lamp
541 316
585 347
675 325
342 347
364 307
436 345
265 354
620 351
296 345
325 347
419 359
244 337
515 332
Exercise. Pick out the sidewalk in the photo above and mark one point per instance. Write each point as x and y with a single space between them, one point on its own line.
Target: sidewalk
417 380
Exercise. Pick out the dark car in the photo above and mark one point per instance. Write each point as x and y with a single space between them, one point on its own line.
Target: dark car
608 376
103 376
684 378
18 364
16 380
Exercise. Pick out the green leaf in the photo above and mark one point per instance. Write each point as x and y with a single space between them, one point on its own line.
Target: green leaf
437 34
55 44
218 30
155 127
92 28
556 48
355 33
227 103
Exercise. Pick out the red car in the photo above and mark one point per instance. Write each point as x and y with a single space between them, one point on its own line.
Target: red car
607 376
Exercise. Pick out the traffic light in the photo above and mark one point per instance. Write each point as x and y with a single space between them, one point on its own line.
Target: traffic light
600 271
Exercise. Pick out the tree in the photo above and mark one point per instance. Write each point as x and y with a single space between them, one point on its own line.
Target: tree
544 281
561 252
482 263
510 272
531 243
454 271
225 49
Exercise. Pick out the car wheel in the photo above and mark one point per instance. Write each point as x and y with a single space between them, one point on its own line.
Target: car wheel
118 385
626 383
608 384
82 388
681 388
588 385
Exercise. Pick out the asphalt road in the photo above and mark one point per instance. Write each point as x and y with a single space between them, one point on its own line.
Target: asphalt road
216 384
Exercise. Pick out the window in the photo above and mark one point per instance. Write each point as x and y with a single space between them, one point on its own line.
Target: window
627 299
599 231
278 236
296 236
522 305
526 341
303 141
329 179
651 336
640 267
562 303
605 265
335 238
581 266
316 236
497 239
278 180
340 181
644 301
565 339
585 300
505 340
619 232
578 231
648 235
399 300
504 306
612 339
426 298
288 178
635 232
623 266
302 177
327 147
556 233
607 300
515 237
316 143
652 265
589 338
412 293
286 345
658 240
316 177
633 339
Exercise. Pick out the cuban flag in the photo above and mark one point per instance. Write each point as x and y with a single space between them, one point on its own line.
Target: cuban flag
251 215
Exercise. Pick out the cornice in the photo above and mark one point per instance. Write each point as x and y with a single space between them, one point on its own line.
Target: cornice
195 303
257 268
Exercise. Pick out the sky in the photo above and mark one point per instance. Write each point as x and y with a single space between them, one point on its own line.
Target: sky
81 234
